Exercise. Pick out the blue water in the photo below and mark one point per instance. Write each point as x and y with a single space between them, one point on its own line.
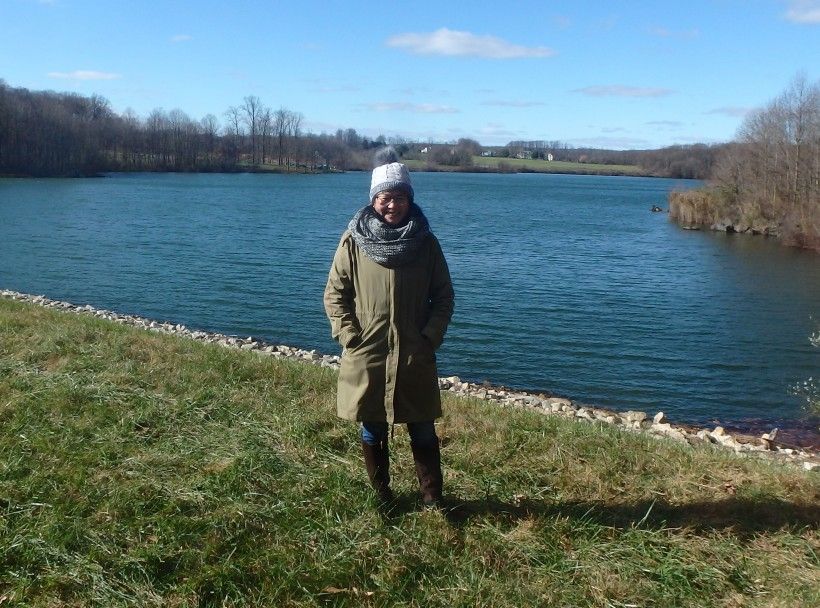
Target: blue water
566 284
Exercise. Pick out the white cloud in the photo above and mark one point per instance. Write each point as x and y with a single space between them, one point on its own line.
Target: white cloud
667 33
342 88
491 134
804 11
562 22
613 143
240 75
84 75
327 85
665 123
510 103
417 108
317 126
699 139
619 90
607 24
181 38
501 134
464 44
733 111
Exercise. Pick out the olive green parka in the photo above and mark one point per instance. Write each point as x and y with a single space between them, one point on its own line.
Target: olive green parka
389 322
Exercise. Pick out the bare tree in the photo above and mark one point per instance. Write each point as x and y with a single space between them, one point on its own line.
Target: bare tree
774 172
294 131
234 129
265 127
280 130
210 132
157 126
769 180
251 109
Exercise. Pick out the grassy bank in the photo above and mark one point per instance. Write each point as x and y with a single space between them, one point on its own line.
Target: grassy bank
710 208
139 469
716 209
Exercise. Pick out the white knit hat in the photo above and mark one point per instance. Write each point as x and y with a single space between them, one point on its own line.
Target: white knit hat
390 175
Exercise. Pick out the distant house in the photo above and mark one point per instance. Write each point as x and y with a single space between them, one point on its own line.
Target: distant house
424 150
526 154
549 158
487 153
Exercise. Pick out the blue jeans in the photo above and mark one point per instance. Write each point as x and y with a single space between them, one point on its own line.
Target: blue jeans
421 433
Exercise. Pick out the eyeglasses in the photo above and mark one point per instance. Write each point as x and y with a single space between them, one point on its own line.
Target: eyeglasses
398 199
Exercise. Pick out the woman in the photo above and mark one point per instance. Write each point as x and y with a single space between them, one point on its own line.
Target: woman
389 300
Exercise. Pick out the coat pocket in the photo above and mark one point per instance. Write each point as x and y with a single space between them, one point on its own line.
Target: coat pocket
419 352
373 336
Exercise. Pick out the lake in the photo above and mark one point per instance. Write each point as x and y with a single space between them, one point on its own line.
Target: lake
565 284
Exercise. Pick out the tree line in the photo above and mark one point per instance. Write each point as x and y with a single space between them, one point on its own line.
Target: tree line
768 179
47 133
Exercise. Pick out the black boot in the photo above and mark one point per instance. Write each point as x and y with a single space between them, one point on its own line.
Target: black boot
428 470
377 463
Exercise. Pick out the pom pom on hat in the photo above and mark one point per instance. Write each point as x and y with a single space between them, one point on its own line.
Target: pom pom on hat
389 174
385 156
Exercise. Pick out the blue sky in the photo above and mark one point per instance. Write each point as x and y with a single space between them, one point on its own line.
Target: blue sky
603 74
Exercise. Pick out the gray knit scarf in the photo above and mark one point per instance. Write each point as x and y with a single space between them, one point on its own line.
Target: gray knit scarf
384 244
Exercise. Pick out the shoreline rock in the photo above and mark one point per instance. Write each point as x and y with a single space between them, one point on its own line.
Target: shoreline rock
658 426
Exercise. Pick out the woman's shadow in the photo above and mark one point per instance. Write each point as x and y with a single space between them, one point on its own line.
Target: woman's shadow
743 516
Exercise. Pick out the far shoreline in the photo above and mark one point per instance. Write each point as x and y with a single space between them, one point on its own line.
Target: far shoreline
104 174
414 166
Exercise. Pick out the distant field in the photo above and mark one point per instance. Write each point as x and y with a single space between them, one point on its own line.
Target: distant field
541 166
554 166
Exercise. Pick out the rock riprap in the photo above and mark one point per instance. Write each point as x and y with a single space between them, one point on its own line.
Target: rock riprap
764 446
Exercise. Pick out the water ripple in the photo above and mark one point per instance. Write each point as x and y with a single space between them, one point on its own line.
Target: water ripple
565 284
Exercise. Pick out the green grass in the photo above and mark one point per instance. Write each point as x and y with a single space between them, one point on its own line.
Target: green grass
139 469
537 166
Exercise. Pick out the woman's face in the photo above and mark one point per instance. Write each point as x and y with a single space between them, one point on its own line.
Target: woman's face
392 205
